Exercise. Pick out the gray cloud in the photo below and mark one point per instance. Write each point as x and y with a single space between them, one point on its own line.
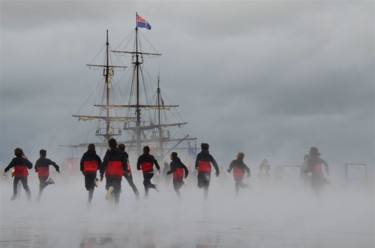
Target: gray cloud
270 79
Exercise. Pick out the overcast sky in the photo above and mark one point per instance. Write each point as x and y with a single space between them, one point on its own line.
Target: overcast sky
270 78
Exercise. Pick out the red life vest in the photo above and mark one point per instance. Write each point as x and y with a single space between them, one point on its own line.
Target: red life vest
178 173
90 166
238 172
43 171
318 167
114 168
204 166
147 166
20 171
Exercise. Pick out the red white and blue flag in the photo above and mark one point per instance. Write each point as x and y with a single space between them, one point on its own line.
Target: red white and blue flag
142 23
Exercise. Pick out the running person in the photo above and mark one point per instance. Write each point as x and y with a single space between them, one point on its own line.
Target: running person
203 165
179 171
21 165
42 168
315 167
146 163
89 165
239 169
114 166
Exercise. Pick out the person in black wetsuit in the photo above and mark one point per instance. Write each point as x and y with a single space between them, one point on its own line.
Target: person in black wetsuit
203 165
146 163
179 171
239 170
89 165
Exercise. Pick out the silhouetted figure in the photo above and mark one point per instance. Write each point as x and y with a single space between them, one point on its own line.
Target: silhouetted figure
114 166
129 176
42 168
21 165
264 169
239 170
89 165
179 171
315 167
146 162
203 165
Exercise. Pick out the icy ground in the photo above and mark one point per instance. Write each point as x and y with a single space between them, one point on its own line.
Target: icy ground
265 216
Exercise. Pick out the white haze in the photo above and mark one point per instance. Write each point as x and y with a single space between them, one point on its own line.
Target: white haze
269 215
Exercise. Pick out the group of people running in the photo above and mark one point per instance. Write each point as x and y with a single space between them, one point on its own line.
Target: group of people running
115 165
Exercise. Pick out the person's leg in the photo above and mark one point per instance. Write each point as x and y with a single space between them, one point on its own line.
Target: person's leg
26 187
177 185
131 183
117 189
15 185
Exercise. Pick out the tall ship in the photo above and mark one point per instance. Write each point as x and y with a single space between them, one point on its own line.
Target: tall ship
132 107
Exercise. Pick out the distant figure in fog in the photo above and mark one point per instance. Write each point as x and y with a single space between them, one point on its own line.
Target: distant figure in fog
203 165
179 171
42 168
239 170
89 165
315 167
264 169
115 164
146 163
129 176
21 165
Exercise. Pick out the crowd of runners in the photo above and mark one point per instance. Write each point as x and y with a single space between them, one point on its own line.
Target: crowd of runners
115 165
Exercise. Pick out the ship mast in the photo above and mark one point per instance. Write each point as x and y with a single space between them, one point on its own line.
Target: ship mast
159 121
137 109
108 72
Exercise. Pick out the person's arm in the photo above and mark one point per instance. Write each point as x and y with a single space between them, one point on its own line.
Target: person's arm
247 170
36 165
11 164
186 170
197 162
28 163
81 164
213 161
156 164
100 163
172 168
57 168
125 163
139 162
231 166
104 166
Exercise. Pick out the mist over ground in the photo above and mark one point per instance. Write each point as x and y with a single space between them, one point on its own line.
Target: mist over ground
268 214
